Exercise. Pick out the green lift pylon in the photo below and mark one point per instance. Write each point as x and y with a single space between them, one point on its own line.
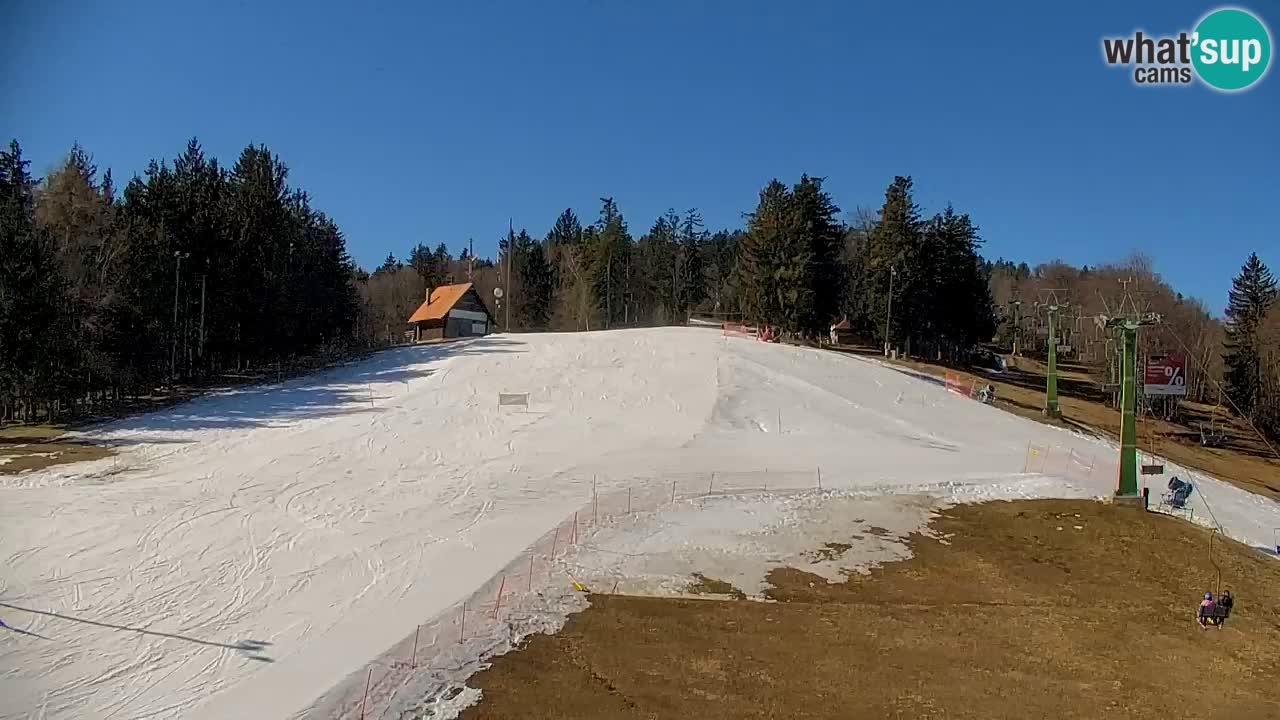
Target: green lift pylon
1051 408
1127 485
1127 482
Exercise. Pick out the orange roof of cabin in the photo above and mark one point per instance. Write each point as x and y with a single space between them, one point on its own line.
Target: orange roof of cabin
442 301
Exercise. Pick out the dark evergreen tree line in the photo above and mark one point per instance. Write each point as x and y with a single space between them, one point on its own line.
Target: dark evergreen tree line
192 273
195 272
917 284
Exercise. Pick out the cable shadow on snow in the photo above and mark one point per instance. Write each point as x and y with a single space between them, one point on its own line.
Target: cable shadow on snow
918 375
251 649
345 390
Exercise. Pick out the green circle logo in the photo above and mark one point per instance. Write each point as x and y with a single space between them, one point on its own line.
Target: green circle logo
1231 49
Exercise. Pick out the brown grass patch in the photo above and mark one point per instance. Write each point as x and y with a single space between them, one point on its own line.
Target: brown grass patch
703 585
1013 618
33 447
832 550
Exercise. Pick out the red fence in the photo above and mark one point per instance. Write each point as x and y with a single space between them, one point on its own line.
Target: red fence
532 587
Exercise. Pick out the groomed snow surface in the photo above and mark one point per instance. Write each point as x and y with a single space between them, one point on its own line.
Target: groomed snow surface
250 554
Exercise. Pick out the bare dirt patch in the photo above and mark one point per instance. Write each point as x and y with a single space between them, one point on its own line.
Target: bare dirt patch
1055 609
33 447
832 550
703 585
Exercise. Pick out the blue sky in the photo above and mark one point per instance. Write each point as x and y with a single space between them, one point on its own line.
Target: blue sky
438 121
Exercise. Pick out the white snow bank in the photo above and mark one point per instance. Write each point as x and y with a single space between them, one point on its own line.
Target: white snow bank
651 544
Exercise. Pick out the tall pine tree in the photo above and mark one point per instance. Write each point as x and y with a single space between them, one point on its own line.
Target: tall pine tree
767 270
1252 294
691 273
820 238
568 261
954 309
535 283
892 263
653 278
610 251
720 260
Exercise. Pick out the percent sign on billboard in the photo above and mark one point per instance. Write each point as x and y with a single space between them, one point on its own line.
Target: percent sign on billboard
1165 375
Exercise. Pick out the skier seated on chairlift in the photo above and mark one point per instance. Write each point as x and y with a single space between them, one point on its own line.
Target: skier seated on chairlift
1179 491
1207 614
1213 612
1224 604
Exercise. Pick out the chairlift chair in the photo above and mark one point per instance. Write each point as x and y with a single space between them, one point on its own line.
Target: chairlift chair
1214 435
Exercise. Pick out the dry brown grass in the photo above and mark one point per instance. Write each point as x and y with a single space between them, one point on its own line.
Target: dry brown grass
1014 618
33 447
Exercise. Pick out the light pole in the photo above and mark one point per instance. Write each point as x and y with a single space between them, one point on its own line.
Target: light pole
204 279
511 246
1017 325
1051 408
173 352
888 315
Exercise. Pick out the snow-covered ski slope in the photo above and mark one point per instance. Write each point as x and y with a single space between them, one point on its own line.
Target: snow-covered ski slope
272 540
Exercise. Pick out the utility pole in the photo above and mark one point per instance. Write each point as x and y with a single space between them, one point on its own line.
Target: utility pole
608 291
1051 408
893 271
511 242
173 351
203 280
471 258
1017 324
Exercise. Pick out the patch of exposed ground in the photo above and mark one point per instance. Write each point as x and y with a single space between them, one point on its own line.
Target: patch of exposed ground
34 447
1046 608
703 585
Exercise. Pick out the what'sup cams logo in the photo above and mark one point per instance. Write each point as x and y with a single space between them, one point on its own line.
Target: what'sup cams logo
1229 50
